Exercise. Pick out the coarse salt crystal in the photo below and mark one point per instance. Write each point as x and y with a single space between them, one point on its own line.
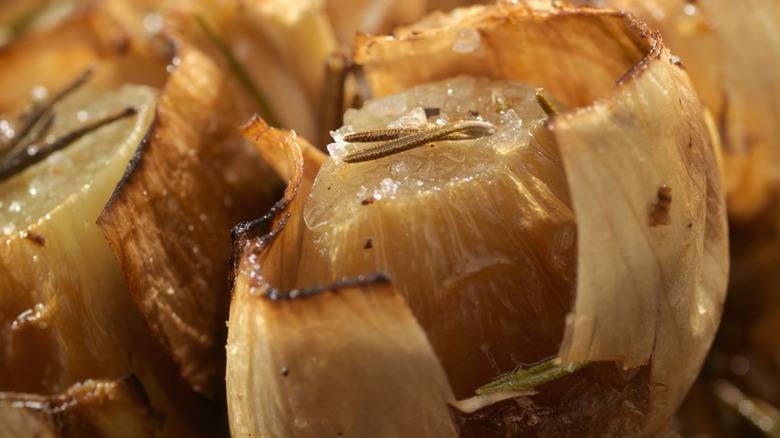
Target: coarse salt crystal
413 119
338 151
388 187
467 40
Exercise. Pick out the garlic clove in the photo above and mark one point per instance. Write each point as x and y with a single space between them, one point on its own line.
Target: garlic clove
682 308
66 315
169 220
348 359
477 234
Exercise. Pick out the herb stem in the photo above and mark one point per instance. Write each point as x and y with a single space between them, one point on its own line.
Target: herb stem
401 140
529 378
241 74
35 153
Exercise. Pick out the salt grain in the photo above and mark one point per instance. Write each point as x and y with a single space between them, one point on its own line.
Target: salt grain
466 41
388 187
338 151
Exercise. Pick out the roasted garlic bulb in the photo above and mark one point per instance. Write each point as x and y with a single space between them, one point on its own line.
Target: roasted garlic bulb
588 230
87 99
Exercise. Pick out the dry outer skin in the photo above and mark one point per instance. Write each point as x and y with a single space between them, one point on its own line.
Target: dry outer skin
644 292
348 360
168 222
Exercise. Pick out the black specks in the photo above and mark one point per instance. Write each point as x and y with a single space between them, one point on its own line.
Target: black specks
35 238
431 112
275 294
473 113
285 372
368 201
659 213
690 224
369 244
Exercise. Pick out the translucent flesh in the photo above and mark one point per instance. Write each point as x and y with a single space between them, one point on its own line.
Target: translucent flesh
36 191
59 282
478 235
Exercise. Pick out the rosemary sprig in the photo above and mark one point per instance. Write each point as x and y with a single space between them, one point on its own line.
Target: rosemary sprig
404 139
33 153
241 74
547 106
35 112
529 378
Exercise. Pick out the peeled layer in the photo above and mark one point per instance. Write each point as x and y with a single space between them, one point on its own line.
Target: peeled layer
731 50
620 82
169 220
646 289
66 315
60 283
348 359
478 235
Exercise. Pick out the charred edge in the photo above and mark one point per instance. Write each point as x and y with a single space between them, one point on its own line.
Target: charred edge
653 54
132 382
252 229
261 226
659 215
242 233
274 294
135 163
59 406
174 50
239 236
35 238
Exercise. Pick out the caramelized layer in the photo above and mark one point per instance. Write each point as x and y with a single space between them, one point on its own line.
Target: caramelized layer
478 235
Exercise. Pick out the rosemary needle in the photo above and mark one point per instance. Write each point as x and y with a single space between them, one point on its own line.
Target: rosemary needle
468 129
34 153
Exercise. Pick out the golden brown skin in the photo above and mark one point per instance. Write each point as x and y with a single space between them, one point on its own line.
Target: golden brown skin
117 408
